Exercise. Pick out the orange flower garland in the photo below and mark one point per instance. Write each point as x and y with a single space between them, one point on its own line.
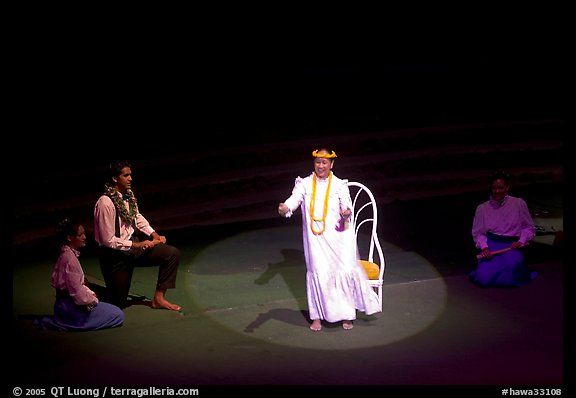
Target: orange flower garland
313 202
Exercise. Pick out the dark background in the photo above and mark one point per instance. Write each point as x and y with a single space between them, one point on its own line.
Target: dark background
85 97
129 89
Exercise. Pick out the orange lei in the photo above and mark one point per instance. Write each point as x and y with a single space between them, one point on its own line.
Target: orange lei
313 202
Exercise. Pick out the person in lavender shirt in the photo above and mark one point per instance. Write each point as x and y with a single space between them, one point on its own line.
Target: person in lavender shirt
77 307
336 284
502 222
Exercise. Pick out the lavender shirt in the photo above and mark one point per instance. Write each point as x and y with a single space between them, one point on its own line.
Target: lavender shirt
509 218
68 275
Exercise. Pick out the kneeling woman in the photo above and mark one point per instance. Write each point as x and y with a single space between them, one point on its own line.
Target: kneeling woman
502 224
77 307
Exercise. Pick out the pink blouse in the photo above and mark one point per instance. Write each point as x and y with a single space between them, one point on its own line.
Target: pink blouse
68 275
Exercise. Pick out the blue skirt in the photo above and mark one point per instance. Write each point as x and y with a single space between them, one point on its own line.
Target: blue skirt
71 317
502 270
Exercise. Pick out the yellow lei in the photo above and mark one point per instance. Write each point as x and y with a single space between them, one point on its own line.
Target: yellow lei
313 202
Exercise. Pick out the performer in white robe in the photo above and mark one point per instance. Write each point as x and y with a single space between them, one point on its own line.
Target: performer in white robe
336 284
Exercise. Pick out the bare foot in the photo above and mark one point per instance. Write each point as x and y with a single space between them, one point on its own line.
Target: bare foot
164 304
347 325
316 325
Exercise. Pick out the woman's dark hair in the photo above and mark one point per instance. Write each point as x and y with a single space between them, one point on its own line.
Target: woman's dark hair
66 228
325 148
328 150
500 175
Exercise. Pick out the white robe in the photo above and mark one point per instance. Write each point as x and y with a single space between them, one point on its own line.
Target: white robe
336 285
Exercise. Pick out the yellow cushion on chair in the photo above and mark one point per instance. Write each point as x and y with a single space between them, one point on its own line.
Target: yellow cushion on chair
372 269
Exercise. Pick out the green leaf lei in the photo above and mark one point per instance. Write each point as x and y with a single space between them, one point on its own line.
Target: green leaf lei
116 197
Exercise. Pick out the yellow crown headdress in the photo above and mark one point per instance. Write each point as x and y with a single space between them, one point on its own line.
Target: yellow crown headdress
324 155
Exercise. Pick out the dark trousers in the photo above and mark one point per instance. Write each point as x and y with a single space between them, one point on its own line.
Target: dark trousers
117 267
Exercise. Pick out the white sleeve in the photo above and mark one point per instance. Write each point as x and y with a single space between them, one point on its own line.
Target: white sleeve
296 198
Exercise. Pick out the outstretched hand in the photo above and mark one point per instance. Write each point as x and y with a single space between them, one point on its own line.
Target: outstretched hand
283 209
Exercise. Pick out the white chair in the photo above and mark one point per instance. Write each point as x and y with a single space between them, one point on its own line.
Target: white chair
364 220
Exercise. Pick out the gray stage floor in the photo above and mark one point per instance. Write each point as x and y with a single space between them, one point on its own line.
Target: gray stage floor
244 319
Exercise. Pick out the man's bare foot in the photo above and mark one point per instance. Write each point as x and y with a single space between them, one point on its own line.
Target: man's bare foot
316 325
159 301
164 304
347 325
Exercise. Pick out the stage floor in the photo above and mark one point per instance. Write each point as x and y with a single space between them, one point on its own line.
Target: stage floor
244 322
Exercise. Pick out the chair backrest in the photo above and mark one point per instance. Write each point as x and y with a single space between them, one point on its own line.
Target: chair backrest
364 220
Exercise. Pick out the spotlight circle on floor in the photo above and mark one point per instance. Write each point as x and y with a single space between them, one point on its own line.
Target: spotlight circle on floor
254 283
